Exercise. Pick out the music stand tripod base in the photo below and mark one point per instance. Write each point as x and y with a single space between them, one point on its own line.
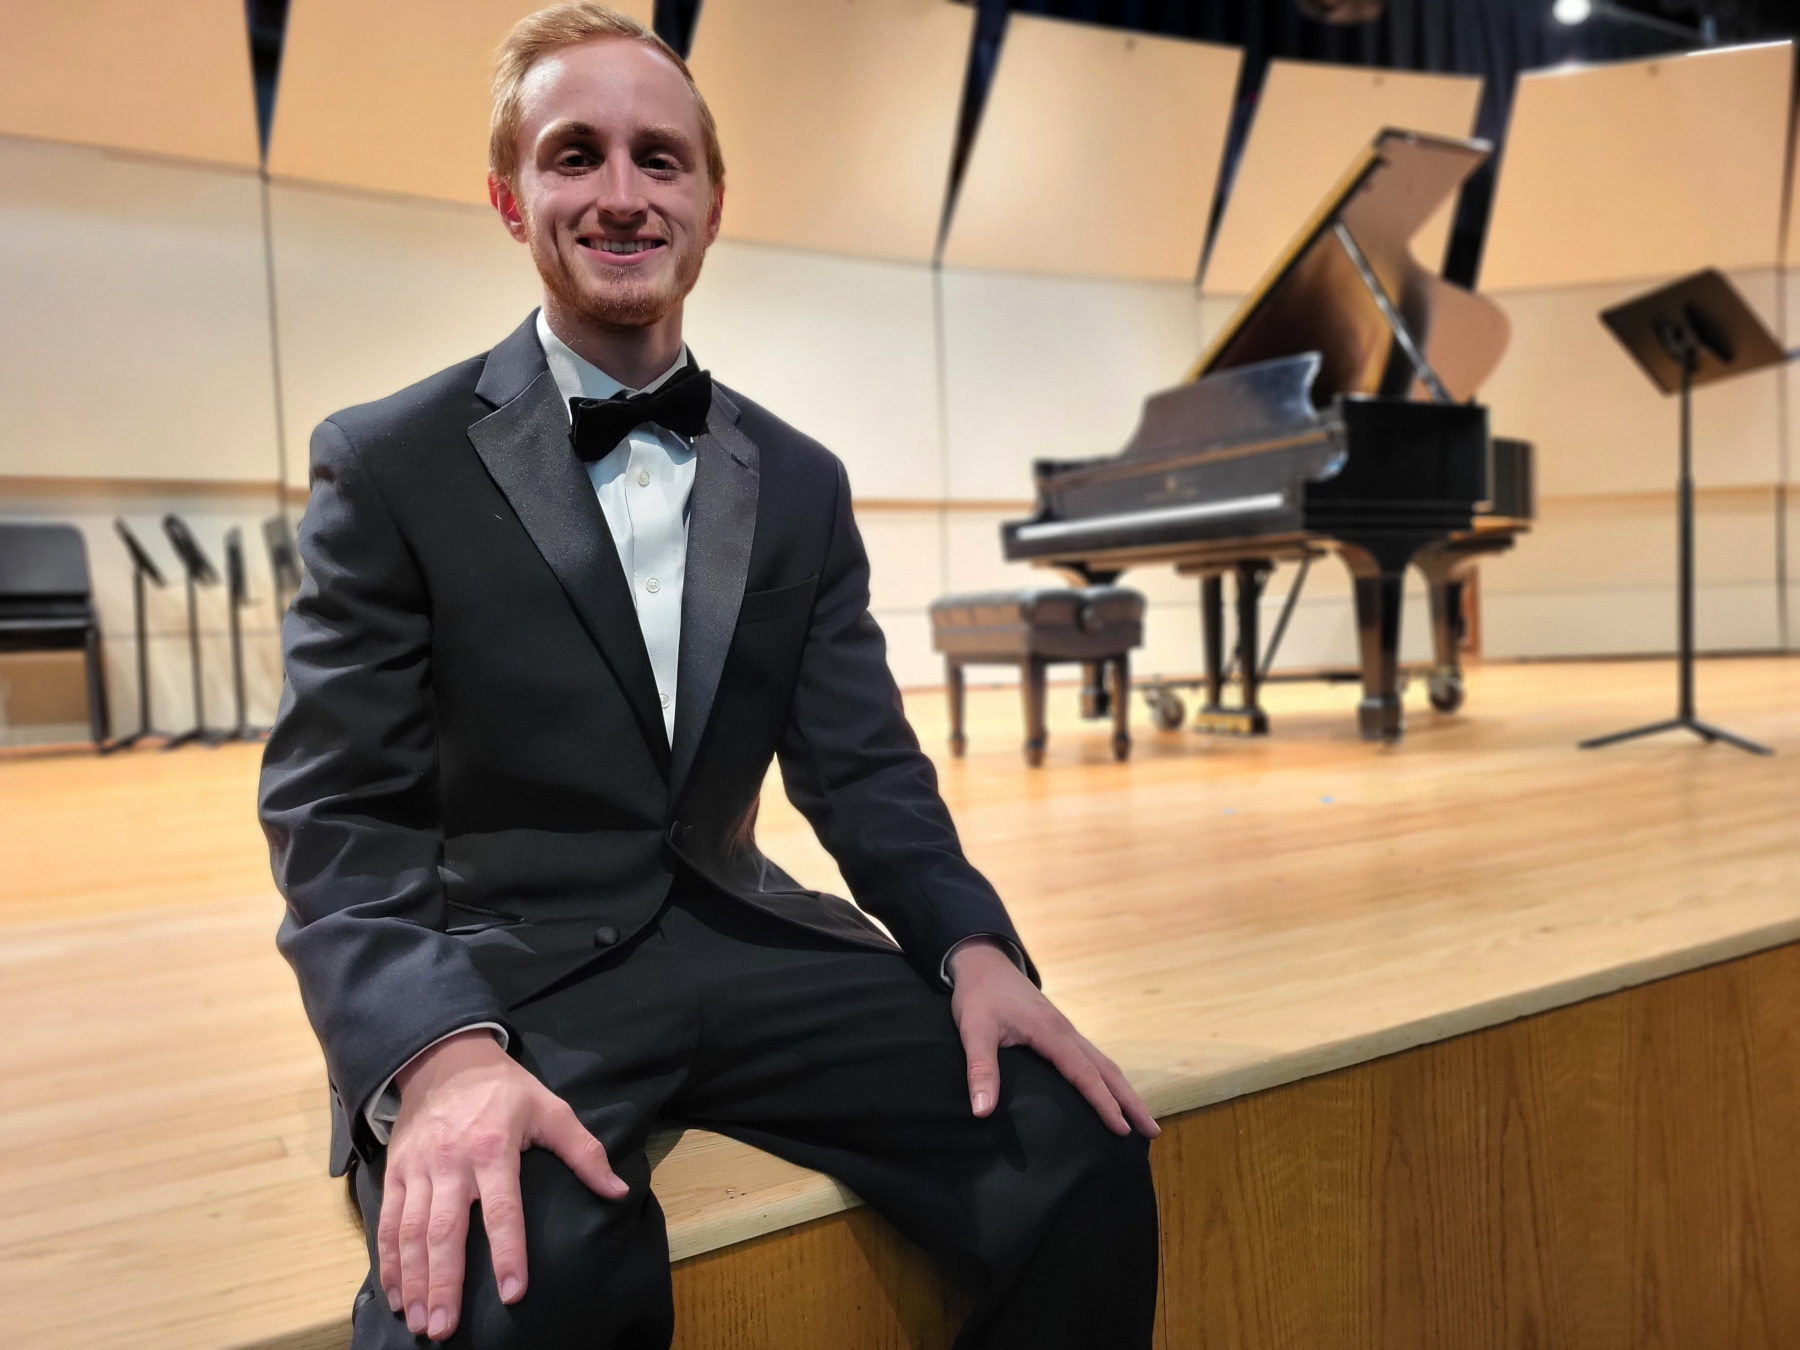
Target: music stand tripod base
1690 332
1706 731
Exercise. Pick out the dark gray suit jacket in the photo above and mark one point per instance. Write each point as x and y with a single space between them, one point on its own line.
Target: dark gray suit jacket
469 784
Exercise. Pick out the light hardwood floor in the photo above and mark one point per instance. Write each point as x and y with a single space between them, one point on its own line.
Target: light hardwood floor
1224 916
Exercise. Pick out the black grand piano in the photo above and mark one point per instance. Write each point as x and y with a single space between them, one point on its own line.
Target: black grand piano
1332 413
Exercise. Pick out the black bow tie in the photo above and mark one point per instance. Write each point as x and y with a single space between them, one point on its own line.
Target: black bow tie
596 425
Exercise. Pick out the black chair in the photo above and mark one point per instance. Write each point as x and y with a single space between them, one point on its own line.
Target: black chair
47 604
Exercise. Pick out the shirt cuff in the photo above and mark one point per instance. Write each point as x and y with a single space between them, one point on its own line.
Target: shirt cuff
384 1107
1007 945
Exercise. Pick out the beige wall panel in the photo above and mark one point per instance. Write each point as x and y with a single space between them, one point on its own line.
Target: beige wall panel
394 96
843 348
1120 132
1052 367
909 655
170 78
1597 576
906 551
136 337
376 293
837 118
1599 425
1310 123
1642 169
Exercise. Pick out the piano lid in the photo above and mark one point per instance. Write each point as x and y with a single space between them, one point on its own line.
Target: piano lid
1314 299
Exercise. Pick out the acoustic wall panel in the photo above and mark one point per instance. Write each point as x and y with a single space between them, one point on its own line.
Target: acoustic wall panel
1599 425
374 293
171 78
1310 123
136 339
1642 169
837 117
1052 367
1596 577
844 348
1098 153
394 96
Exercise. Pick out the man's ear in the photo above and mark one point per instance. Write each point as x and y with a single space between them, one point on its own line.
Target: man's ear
716 215
500 193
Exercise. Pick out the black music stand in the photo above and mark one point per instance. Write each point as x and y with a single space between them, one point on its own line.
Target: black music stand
238 588
200 572
284 562
1691 332
143 568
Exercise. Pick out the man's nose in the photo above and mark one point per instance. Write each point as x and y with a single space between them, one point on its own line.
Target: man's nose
620 188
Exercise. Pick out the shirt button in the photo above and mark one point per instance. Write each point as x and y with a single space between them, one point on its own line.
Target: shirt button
653 585
664 698
606 937
643 478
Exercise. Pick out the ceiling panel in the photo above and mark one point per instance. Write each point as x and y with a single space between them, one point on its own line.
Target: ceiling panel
1642 169
1098 153
838 118
171 78
394 96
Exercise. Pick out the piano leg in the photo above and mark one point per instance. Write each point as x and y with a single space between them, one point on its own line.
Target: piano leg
1247 719
1032 687
1252 576
1446 575
1212 630
1121 705
1380 587
953 683
1446 567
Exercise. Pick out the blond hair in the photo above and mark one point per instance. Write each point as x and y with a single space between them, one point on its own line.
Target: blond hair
550 30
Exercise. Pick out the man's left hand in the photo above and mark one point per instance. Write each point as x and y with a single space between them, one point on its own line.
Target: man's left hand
995 1006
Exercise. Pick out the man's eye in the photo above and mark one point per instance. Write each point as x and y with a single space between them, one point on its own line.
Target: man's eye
661 164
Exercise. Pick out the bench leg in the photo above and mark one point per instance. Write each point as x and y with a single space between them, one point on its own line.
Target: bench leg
953 682
1032 688
1121 706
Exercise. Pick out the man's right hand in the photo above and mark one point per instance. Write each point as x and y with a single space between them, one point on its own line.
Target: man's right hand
467 1111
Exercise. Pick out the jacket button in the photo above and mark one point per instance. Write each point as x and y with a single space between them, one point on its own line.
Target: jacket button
606 937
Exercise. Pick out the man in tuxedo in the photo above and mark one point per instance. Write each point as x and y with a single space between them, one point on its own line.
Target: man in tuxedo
565 602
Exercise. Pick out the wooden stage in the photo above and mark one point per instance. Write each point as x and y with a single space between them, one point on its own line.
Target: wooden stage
1475 1041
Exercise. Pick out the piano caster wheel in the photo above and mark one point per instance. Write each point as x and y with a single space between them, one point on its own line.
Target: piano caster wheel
1121 746
959 744
1446 692
1167 710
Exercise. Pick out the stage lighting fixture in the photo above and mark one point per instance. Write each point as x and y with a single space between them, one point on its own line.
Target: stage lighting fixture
1573 12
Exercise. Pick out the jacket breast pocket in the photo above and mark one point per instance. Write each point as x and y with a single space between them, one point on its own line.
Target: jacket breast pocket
779 603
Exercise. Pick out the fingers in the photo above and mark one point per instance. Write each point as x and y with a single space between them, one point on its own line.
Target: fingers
415 1217
561 1131
1124 1094
446 1233
503 1215
1066 1055
387 1239
981 1048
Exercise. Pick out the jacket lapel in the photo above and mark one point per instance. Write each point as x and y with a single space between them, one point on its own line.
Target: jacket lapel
721 529
524 443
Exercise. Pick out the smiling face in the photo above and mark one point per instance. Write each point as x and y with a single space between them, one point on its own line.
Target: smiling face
611 190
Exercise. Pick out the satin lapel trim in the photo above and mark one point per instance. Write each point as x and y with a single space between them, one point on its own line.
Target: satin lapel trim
525 445
721 529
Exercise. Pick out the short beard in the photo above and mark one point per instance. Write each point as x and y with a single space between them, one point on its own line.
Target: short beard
631 304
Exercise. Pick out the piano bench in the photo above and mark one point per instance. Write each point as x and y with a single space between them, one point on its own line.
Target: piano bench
1096 625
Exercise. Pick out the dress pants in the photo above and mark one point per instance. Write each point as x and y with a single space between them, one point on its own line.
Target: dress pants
835 1057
